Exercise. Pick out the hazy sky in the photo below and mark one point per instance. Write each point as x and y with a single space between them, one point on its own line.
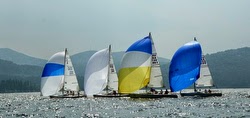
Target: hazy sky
40 28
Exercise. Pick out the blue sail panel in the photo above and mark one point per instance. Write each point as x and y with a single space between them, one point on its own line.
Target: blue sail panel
184 67
52 69
143 45
179 82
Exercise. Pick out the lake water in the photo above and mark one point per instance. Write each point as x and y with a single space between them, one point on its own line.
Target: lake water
233 103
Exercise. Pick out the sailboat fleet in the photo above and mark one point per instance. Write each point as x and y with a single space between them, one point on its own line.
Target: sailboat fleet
139 74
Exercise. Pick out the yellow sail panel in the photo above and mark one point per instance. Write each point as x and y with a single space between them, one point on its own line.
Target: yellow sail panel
133 78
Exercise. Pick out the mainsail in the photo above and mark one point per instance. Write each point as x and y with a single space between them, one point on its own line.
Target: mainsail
205 79
112 75
156 75
100 73
184 67
58 75
135 70
70 80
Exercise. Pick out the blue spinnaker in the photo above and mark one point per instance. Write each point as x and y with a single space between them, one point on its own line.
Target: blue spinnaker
184 67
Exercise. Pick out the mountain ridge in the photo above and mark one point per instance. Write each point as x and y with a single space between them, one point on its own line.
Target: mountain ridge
20 58
225 67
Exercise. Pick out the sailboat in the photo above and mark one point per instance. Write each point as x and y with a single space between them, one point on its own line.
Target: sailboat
58 78
100 79
204 81
140 69
186 69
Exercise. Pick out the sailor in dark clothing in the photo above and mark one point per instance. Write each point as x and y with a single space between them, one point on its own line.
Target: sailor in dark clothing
114 92
166 92
205 90
152 90
209 91
161 92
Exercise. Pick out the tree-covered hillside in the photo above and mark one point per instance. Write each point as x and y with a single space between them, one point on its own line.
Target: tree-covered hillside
19 78
230 68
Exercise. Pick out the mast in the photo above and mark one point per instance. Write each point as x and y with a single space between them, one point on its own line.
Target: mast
108 69
149 35
197 78
65 52
195 88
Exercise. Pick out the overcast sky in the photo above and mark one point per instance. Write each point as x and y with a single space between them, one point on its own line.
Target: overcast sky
40 28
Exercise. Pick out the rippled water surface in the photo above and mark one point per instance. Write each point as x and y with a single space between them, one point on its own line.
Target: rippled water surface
233 103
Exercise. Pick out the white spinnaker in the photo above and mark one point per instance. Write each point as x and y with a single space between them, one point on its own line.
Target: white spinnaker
205 79
156 75
113 79
70 80
96 73
51 85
